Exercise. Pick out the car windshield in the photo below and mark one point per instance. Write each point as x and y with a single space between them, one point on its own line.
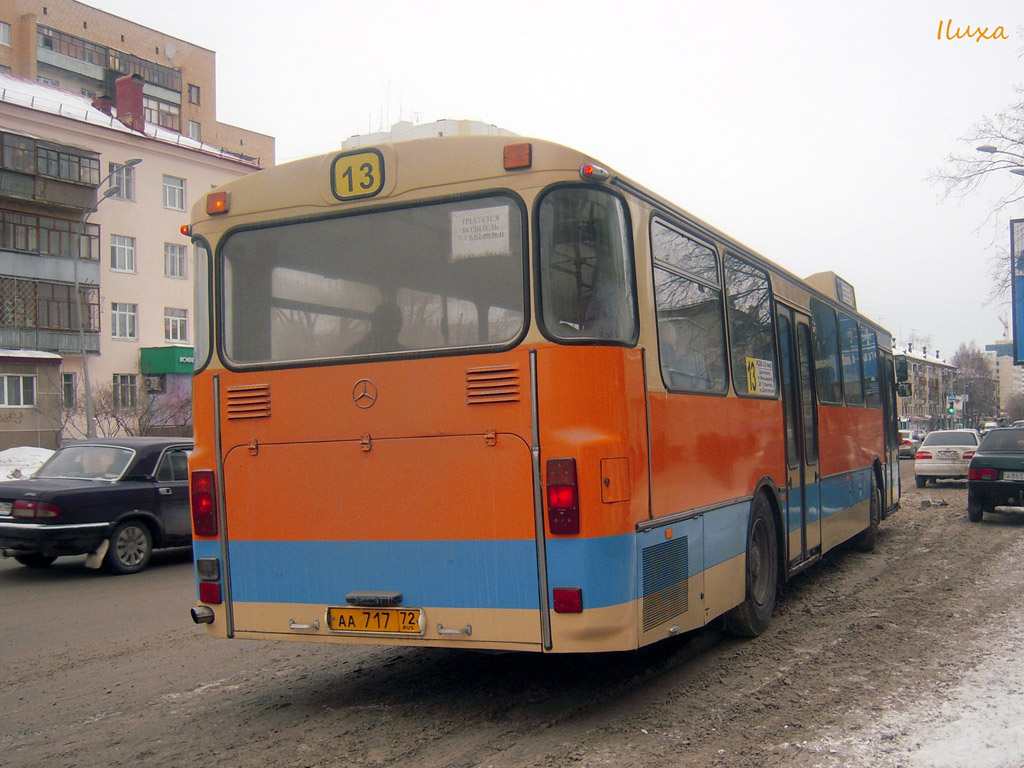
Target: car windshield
87 462
1004 440
950 438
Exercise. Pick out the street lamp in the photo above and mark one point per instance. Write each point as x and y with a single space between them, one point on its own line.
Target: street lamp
90 411
991 149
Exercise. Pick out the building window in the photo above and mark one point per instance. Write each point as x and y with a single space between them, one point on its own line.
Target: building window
162 113
48 81
175 324
174 193
123 320
19 153
122 253
67 166
48 236
68 390
193 94
175 260
5 34
195 130
17 391
125 390
123 178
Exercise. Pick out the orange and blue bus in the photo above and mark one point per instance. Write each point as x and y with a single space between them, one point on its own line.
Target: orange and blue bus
485 392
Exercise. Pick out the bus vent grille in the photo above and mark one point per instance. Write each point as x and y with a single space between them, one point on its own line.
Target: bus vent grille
666 581
494 384
249 402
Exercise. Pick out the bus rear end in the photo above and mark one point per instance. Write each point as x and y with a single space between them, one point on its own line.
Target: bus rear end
372 400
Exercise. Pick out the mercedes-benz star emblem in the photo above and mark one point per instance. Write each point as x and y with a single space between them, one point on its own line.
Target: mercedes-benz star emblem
364 393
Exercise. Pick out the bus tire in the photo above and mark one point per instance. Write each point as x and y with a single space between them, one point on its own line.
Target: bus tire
751 617
866 540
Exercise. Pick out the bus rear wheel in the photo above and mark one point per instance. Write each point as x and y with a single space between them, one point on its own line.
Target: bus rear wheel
750 618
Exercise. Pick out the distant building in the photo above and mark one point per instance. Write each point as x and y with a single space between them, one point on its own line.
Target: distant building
404 131
934 381
99 166
1010 376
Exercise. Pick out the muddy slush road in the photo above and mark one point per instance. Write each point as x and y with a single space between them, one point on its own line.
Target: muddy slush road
109 671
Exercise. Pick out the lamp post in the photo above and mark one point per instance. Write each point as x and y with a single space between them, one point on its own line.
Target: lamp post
90 411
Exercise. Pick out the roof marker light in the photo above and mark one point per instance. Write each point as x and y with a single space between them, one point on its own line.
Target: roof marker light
216 203
591 172
518 156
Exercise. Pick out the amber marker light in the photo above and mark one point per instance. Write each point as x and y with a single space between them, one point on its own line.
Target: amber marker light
518 156
216 203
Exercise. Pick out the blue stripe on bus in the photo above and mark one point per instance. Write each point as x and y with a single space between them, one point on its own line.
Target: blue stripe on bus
487 574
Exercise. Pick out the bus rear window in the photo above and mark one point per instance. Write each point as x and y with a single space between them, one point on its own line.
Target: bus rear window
423 279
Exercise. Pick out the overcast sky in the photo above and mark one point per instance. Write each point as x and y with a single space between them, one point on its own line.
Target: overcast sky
807 130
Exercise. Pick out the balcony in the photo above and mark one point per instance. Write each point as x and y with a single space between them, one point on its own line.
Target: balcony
60 342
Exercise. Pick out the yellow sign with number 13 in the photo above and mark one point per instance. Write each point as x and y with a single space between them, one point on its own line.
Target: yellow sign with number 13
357 174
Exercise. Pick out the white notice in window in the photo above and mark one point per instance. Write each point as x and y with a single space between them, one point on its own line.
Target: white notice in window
480 232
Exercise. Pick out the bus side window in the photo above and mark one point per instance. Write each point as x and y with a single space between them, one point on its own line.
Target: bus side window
825 334
688 298
751 333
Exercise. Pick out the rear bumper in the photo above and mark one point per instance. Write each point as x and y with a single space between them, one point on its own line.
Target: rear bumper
995 493
48 539
950 469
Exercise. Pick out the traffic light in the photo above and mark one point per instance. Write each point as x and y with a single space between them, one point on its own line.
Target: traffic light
951 408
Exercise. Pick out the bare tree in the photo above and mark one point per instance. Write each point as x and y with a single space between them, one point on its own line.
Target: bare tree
978 381
994 145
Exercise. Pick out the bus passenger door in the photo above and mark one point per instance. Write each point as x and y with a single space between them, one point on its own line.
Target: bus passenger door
803 499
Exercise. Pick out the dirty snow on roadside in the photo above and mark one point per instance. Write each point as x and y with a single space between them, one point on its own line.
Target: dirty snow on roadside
974 723
16 463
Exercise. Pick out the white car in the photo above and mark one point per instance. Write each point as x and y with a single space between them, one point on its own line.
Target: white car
945 454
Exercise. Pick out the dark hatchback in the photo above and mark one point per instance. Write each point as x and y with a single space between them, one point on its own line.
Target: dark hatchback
115 499
995 477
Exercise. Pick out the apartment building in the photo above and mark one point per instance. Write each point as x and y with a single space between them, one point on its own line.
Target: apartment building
77 48
933 380
98 173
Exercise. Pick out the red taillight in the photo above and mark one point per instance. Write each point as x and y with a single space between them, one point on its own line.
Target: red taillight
209 592
568 600
204 503
983 474
563 497
26 508
923 455
968 454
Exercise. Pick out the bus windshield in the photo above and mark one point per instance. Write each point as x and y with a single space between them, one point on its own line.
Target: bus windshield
399 281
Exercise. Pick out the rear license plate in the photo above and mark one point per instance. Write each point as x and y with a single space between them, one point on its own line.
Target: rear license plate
392 621
1013 475
947 455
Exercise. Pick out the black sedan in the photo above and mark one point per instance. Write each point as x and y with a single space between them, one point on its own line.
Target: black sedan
995 477
115 499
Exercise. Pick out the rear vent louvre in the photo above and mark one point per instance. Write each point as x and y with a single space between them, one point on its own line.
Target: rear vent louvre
666 581
494 384
249 402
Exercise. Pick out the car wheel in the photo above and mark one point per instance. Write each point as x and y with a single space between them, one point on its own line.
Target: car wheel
921 481
131 546
751 617
974 510
35 559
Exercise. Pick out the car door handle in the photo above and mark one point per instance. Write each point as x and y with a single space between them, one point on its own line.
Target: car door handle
164 491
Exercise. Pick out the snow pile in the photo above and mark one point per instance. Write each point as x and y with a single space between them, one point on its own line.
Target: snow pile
16 463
